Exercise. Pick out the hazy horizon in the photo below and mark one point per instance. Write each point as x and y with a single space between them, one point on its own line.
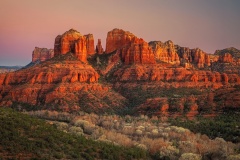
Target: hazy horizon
26 24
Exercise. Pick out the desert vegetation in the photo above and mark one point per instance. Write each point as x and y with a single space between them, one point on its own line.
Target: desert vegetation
161 139
25 137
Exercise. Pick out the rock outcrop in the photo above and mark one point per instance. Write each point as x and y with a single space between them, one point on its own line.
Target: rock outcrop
193 56
133 50
42 54
117 39
72 41
90 44
165 52
99 48
173 54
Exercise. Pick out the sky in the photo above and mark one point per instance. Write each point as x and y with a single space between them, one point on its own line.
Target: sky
206 24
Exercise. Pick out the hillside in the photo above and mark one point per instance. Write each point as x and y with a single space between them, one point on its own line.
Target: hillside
24 137
233 51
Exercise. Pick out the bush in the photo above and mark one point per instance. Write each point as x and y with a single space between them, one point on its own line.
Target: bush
190 156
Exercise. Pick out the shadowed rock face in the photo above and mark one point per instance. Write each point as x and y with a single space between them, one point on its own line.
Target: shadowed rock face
99 48
225 58
42 54
72 41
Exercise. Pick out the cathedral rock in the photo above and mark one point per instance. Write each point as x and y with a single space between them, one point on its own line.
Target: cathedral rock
73 41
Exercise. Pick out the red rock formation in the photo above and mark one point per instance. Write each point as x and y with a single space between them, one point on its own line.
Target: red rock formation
70 72
195 56
133 50
138 53
99 48
90 44
165 52
182 76
81 49
42 54
200 58
73 41
225 58
117 39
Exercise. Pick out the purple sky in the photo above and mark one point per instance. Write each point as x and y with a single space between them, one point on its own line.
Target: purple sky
207 24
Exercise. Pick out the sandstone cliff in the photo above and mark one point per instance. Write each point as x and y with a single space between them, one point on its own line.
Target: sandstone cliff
165 52
117 39
72 41
173 54
42 54
133 50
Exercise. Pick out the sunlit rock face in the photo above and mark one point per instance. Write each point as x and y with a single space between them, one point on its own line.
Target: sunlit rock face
72 41
133 50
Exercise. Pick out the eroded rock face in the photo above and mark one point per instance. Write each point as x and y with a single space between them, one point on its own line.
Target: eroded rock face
182 76
165 52
99 48
72 41
133 50
90 44
194 56
117 39
173 54
138 53
42 54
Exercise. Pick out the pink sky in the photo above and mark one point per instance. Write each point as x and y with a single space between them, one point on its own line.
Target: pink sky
206 24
